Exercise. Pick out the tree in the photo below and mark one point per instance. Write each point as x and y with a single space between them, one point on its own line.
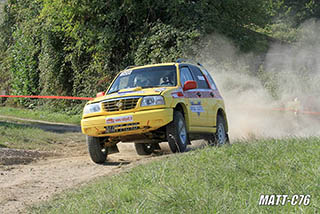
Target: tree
76 47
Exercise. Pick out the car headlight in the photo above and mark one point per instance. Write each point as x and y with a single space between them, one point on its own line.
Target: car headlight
92 108
152 101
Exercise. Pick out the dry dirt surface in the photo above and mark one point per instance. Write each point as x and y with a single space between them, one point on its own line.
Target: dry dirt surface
29 177
24 185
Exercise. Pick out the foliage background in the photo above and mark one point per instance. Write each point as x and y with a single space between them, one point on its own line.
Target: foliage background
75 47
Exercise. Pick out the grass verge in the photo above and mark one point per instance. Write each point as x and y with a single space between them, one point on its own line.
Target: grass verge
33 136
43 115
212 180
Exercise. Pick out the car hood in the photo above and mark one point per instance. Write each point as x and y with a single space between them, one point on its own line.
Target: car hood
132 92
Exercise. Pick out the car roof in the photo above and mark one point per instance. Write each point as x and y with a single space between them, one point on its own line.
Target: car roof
159 64
150 65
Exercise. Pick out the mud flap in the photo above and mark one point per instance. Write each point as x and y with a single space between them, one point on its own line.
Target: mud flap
113 149
228 140
157 146
189 141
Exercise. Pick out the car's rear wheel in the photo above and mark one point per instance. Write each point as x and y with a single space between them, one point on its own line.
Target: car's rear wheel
220 137
177 135
144 148
97 150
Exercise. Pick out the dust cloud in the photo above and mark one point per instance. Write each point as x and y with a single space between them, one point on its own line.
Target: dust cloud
257 88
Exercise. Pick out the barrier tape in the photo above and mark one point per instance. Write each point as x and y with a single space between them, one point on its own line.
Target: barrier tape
90 98
49 97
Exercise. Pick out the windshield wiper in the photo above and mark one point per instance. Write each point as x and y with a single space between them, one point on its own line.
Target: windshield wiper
152 86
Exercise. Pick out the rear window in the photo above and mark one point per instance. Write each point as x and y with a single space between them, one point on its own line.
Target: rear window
209 78
199 78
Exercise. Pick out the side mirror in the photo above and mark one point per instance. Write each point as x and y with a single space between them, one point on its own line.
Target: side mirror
190 84
101 94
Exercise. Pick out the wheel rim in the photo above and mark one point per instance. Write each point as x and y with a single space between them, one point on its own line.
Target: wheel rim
221 134
182 131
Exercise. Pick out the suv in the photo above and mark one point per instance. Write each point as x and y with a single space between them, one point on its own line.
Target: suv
175 102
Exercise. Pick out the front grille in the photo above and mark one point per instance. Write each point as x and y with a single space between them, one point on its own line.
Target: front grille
122 127
120 104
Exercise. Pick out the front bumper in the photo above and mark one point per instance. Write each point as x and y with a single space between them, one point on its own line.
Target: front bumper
126 124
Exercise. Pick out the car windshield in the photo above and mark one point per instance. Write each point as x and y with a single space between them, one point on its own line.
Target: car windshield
158 76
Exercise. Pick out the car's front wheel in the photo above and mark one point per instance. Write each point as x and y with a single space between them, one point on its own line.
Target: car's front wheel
97 150
177 135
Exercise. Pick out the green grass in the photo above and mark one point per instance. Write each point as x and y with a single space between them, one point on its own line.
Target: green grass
43 115
211 180
19 135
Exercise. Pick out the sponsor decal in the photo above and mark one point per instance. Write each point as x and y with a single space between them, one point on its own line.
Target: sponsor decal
159 89
128 92
126 73
196 107
121 119
174 95
177 94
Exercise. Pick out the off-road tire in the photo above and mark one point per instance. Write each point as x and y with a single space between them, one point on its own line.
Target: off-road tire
177 135
221 136
97 151
144 148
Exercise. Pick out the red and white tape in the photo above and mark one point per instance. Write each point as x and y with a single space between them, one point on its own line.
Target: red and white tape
49 97
90 98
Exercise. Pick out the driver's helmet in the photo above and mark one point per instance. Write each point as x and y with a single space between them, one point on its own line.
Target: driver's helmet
167 79
141 81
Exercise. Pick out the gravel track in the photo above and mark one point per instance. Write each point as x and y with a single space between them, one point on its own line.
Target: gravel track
28 177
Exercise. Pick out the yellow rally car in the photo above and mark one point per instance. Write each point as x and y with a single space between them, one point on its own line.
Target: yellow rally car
175 102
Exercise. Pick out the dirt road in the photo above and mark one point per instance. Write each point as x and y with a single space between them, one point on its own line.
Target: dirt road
23 185
28 177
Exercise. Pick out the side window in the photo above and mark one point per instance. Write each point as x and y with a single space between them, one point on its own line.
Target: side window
185 75
200 79
209 78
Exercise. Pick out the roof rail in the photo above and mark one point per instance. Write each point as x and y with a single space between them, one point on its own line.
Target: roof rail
188 60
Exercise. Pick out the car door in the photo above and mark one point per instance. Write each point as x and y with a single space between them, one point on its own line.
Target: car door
195 97
190 97
203 102
214 98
